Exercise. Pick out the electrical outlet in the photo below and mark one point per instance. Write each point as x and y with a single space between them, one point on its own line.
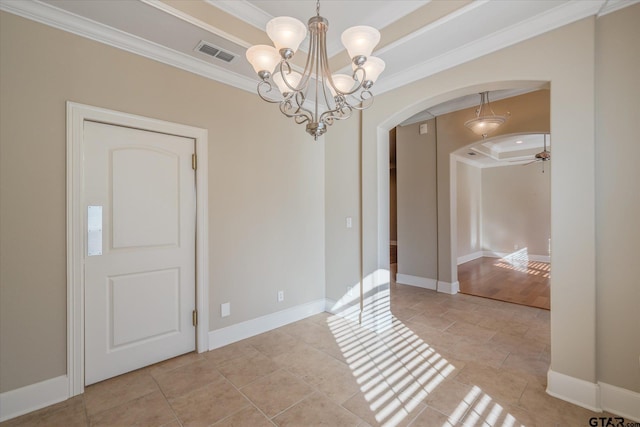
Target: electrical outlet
225 309
280 296
349 222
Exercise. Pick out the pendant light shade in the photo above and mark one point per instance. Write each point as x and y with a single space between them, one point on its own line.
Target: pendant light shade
373 68
486 121
286 32
293 79
343 83
263 58
360 40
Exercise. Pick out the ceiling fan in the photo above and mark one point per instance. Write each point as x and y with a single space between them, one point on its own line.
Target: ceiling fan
542 156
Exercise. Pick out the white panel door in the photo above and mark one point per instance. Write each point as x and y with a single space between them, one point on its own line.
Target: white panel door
139 191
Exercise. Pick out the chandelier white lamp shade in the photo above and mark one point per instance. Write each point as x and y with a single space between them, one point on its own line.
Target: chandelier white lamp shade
486 121
316 96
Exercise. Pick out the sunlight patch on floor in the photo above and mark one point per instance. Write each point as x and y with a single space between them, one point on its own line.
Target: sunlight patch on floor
397 370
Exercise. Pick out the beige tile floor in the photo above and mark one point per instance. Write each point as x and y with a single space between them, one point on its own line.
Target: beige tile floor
447 361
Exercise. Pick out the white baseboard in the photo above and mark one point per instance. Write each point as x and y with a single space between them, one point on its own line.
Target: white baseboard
33 397
574 390
249 328
470 257
620 401
420 282
449 288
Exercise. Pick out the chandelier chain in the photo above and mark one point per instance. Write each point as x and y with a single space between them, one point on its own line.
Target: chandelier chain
318 8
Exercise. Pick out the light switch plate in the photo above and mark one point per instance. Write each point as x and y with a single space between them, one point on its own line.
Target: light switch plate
225 309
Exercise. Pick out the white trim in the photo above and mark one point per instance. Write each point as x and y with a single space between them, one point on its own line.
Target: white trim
329 305
620 401
470 257
244 11
33 397
61 19
550 20
614 5
76 115
574 390
420 282
537 258
449 288
198 23
66 21
249 328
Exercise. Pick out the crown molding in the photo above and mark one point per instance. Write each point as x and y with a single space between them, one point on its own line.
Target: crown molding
66 21
562 15
615 5
244 11
194 21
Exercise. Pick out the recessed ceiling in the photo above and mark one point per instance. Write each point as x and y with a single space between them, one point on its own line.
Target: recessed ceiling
504 150
420 38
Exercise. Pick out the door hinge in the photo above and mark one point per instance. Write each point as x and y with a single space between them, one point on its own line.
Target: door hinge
194 317
194 161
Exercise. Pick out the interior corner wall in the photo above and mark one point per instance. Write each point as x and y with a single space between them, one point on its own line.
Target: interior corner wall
342 188
469 212
266 187
618 197
416 197
564 57
516 209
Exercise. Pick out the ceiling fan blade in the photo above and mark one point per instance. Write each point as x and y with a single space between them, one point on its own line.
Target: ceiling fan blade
532 161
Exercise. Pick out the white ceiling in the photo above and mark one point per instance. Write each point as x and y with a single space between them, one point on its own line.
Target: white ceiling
164 31
169 31
505 150
341 14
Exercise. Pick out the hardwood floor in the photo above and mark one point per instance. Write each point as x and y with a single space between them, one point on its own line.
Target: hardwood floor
519 282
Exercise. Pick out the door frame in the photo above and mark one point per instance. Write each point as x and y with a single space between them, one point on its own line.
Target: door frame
76 115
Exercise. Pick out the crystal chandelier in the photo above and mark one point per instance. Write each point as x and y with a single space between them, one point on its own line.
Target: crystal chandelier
335 96
486 121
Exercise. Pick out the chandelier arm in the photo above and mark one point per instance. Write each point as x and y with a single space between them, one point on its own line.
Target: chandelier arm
489 105
341 113
320 64
298 117
327 81
269 87
308 66
284 79
287 106
365 101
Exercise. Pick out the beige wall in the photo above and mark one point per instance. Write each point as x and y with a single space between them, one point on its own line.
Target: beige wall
469 209
516 209
41 68
416 191
266 187
565 58
618 197
342 200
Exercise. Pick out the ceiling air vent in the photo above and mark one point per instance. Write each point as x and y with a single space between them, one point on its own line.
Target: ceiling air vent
215 51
